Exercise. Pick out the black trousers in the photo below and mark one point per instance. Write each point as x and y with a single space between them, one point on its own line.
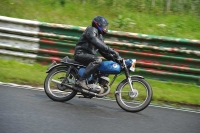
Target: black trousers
91 61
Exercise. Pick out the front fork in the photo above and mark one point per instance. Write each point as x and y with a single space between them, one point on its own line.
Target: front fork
133 92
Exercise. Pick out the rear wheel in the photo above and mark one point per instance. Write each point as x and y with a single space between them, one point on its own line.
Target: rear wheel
134 102
54 89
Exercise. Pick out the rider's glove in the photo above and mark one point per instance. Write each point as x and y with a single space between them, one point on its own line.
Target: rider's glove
113 52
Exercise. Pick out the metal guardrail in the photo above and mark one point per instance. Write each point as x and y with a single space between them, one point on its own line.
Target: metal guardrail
158 57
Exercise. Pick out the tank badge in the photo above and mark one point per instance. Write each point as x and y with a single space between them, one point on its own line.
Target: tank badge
115 65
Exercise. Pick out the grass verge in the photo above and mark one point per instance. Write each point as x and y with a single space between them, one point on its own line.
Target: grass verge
163 92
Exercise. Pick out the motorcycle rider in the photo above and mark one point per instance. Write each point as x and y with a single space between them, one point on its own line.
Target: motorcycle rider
89 43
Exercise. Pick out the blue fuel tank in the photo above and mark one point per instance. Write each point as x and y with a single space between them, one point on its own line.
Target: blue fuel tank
109 67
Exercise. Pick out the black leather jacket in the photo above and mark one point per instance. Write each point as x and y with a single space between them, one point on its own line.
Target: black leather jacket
90 42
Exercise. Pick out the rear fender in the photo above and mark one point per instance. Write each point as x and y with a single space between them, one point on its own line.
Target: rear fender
50 68
61 65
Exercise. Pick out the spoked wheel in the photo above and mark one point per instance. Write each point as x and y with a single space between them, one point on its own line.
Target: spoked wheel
133 101
53 87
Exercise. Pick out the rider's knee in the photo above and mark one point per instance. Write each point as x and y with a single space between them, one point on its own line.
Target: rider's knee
98 61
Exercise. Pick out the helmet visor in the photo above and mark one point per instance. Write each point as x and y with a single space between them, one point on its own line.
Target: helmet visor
105 28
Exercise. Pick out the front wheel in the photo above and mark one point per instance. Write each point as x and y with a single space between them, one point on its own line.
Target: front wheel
133 103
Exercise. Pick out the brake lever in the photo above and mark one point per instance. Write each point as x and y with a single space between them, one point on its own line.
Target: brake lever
120 60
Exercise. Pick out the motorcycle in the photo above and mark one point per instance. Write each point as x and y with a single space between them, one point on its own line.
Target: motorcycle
133 94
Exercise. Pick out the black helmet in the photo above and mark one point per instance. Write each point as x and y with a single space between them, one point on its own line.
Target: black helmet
101 24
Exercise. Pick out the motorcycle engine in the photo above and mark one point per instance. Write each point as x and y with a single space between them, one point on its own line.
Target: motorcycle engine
103 82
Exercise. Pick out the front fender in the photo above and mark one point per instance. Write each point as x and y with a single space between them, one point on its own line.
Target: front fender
132 76
137 76
124 80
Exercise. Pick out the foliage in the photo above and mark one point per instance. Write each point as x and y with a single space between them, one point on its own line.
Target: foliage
122 22
139 16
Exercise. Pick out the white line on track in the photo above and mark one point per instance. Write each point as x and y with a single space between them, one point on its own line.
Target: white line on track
27 87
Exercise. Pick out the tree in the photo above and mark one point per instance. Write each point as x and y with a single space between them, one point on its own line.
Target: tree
179 5
199 9
168 6
153 3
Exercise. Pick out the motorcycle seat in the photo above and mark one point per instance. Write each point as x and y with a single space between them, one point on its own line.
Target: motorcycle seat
67 60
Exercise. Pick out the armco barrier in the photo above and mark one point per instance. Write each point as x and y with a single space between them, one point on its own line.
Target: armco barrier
162 58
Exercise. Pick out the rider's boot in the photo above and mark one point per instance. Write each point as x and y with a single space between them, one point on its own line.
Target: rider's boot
93 87
82 83
90 69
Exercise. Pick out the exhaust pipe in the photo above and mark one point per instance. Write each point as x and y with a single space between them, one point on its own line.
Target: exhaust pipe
82 90
74 88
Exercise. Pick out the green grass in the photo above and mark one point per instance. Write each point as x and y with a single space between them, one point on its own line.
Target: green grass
22 73
121 16
164 92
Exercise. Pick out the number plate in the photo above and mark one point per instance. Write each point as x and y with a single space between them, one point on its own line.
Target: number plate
132 68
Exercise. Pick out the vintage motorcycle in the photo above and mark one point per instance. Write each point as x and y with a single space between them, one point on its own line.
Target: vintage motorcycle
132 94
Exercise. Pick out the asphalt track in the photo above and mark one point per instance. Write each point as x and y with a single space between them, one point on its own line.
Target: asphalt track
25 110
